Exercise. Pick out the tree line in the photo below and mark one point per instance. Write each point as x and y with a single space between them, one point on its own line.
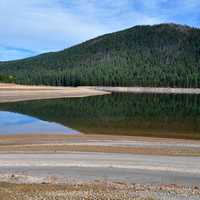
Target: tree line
163 55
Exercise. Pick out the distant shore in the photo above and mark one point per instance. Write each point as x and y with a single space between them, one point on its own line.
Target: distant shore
157 90
15 93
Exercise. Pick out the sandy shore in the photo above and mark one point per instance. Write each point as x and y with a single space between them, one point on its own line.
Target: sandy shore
91 157
14 93
99 176
154 90
98 167
89 166
98 143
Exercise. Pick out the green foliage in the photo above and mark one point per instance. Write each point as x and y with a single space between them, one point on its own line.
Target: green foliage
160 55
7 79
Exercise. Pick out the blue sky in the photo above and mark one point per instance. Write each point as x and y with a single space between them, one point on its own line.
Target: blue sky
31 27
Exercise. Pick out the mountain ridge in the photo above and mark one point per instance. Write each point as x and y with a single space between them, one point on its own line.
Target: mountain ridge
131 57
178 26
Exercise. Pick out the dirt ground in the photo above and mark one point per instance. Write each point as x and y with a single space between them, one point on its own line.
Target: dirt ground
96 190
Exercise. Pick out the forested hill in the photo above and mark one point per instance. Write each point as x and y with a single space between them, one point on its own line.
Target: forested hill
159 55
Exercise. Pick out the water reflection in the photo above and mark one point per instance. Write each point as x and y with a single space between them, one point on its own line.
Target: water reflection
14 123
176 116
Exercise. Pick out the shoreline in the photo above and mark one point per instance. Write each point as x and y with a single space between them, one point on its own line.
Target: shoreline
16 93
150 90
56 144
85 167
90 166
73 166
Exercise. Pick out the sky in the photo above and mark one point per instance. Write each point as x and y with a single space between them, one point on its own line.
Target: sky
31 27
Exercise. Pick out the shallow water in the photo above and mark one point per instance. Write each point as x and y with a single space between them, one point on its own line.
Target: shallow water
176 116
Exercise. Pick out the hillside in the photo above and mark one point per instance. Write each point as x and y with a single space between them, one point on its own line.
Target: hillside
159 55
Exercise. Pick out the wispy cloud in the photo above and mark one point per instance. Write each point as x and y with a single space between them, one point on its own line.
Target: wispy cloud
37 26
12 53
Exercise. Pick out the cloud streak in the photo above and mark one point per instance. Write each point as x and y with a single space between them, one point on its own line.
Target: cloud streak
38 26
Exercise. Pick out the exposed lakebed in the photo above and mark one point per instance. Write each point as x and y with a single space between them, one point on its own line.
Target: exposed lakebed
159 115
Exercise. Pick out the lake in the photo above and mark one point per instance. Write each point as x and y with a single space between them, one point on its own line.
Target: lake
14 123
159 115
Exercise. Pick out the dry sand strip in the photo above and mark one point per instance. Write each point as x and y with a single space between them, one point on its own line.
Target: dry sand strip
98 143
155 90
15 93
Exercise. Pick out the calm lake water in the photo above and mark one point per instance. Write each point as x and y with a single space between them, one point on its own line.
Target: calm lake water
157 115
14 123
